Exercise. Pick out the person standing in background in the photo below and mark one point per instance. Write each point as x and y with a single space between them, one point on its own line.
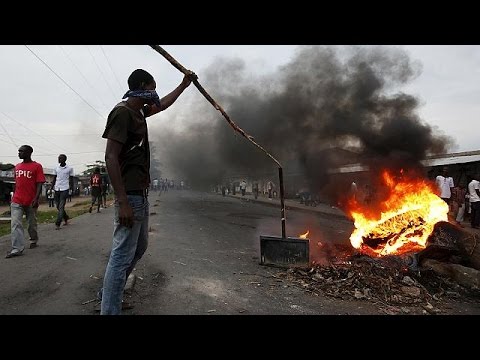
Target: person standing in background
243 187
474 197
96 184
105 186
270 189
353 190
444 184
51 197
458 204
255 189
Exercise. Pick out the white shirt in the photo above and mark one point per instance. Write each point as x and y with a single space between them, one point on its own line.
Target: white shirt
63 174
444 184
474 184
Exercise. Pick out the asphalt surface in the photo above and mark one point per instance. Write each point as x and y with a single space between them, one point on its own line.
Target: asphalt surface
203 259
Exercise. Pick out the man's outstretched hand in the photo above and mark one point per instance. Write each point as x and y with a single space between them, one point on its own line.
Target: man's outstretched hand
189 77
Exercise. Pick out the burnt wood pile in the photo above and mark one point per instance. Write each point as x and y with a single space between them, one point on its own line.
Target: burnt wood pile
447 268
453 252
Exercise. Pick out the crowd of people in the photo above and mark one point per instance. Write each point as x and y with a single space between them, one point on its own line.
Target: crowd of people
166 184
269 188
25 199
463 202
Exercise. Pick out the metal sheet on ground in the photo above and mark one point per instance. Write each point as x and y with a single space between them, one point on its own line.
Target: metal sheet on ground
277 251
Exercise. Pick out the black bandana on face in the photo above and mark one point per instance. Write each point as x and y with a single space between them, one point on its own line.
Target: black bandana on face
144 94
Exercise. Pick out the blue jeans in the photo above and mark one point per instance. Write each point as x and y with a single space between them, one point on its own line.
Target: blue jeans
129 245
60 200
18 236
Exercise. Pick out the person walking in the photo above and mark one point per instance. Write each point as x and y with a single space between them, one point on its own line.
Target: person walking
61 183
243 187
458 204
255 189
96 184
474 197
127 156
270 189
105 186
29 178
445 184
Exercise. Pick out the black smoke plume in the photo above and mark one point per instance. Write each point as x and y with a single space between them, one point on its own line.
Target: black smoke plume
324 100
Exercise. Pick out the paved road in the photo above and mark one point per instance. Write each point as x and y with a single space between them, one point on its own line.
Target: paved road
203 258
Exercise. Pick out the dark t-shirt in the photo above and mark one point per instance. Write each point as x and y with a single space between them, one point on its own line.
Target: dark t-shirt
105 183
129 127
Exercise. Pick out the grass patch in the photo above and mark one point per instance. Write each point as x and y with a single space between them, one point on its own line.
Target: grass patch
83 203
49 216
4 228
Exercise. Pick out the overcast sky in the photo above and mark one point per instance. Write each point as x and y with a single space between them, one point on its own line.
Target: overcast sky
57 98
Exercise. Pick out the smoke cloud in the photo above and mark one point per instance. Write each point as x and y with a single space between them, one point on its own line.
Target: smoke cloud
325 98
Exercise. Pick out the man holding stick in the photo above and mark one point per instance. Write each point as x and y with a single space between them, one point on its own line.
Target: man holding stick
127 156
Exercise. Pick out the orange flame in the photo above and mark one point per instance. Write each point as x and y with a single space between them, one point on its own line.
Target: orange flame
400 223
304 236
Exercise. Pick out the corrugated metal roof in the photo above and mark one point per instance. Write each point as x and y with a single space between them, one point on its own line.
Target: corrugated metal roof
348 169
438 160
48 171
464 153
451 160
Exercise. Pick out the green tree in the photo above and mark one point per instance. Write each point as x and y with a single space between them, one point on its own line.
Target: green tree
91 167
6 167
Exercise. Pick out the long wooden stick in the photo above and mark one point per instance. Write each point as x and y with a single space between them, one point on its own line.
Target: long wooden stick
234 126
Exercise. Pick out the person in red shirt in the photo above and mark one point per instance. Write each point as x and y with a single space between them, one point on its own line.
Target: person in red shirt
29 178
96 184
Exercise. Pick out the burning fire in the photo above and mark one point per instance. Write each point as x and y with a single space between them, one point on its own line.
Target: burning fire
304 236
402 223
